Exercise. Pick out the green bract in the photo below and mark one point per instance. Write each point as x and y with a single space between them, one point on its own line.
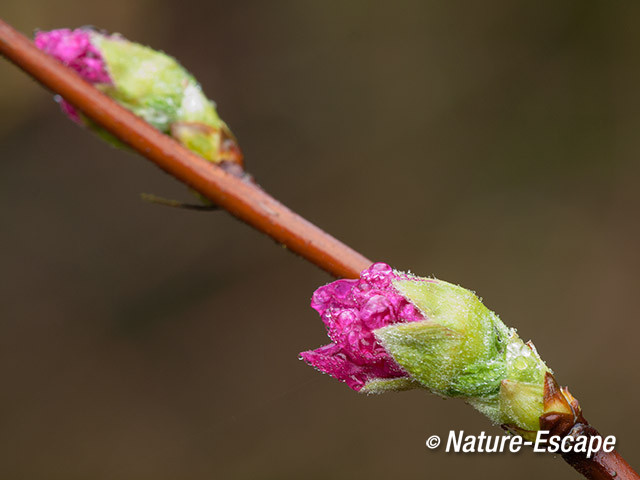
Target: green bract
464 350
154 85
157 88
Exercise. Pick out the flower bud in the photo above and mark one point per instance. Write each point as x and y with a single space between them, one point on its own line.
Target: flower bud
393 331
352 311
149 83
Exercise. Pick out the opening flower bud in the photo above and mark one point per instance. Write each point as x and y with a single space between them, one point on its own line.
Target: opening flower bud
394 331
149 83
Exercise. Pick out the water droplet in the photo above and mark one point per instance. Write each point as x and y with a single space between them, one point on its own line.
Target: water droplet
520 363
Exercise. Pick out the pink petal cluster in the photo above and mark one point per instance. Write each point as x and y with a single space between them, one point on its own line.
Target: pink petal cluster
351 311
75 50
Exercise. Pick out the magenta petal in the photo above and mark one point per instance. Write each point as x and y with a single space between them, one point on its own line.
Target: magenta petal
332 360
74 49
351 310
69 110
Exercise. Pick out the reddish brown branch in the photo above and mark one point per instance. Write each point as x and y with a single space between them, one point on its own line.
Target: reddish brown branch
241 198
603 465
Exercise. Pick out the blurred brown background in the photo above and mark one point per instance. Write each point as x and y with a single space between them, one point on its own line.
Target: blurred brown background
493 144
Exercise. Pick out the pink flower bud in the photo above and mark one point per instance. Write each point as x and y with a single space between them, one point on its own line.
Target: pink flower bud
75 50
148 83
351 311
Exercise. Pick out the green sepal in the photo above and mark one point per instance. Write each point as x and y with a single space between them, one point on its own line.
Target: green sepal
462 349
521 404
418 346
383 385
480 379
153 85
205 143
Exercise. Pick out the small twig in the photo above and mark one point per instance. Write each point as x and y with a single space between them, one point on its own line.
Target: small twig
167 202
